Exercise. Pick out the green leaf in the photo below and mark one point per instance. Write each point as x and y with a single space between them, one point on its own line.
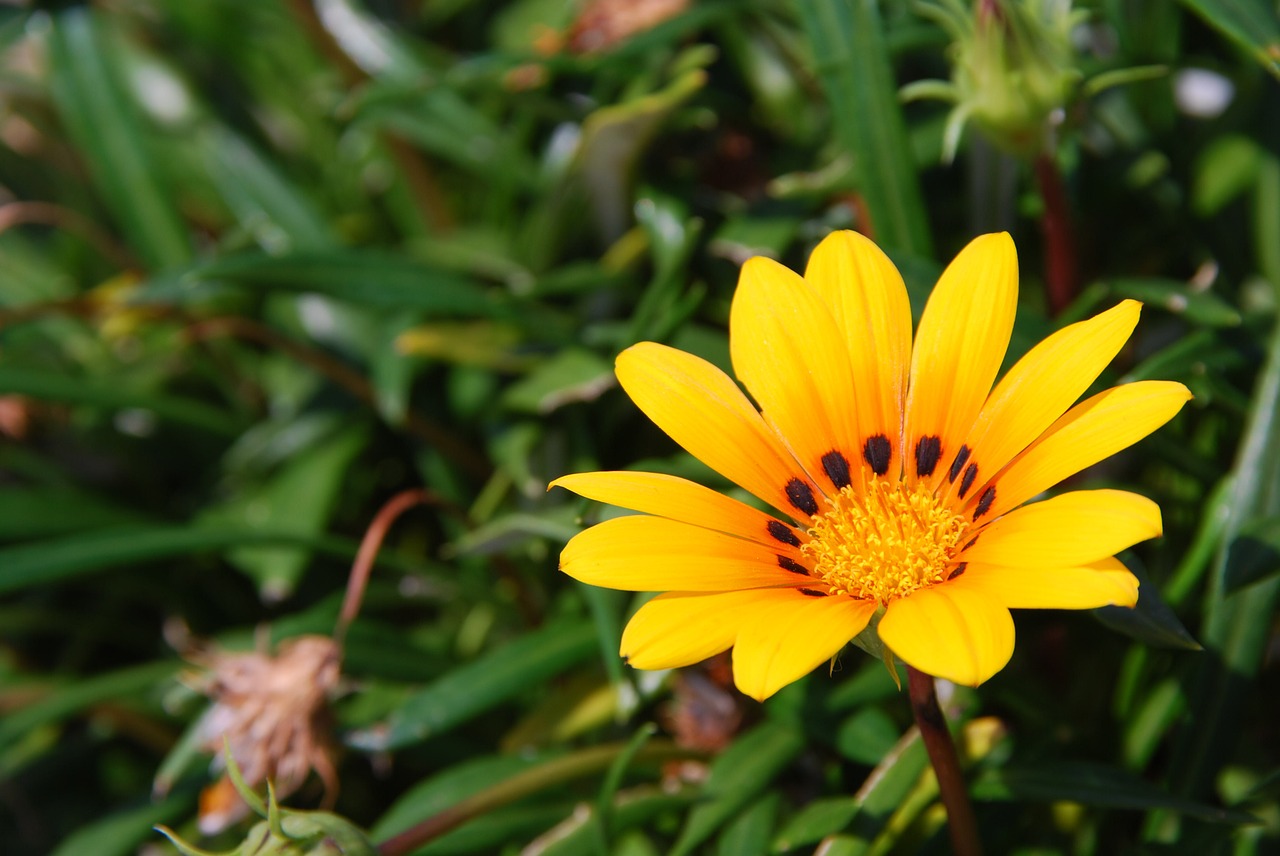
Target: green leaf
125 830
571 376
68 700
444 124
632 808
1203 308
486 835
817 820
112 394
868 735
299 499
44 562
871 808
1254 555
1151 621
1093 785
1238 625
439 792
748 834
39 512
104 123
851 59
738 776
481 685
365 278
1251 24
1225 170
264 201
1146 727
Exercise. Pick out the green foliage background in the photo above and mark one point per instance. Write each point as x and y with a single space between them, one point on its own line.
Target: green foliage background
264 265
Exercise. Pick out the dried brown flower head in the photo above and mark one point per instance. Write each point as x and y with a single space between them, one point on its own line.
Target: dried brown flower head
272 712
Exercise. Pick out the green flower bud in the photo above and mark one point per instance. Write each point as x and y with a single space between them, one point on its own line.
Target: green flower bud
1013 69
285 832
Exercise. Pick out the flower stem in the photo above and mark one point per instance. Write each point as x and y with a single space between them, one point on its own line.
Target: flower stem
1059 235
946 764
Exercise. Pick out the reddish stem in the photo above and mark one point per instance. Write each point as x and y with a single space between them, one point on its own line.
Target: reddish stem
946 764
1059 236
368 553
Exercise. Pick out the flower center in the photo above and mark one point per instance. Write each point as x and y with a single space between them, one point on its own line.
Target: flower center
886 544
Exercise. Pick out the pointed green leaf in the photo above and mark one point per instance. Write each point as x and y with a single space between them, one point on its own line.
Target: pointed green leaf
851 59
738 776
105 125
481 685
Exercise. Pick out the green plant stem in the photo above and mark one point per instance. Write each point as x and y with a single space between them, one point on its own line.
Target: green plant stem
1060 274
946 764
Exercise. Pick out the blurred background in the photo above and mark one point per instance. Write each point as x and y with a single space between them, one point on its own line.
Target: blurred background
273 273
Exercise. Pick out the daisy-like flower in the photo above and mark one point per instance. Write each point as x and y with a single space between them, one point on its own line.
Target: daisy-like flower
896 473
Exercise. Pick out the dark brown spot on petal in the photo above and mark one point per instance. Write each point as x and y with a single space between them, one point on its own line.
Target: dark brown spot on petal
792 565
836 466
813 592
928 452
972 541
878 451
801 496
970 474
985 501
958 464
960 568
782 532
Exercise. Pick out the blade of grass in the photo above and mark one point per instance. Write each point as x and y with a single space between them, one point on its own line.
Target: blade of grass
58 559
481 685
363 278
740 774
1237 624
106 127
1251 24
851 59
111 394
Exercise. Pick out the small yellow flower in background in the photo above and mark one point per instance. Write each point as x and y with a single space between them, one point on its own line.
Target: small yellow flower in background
897 474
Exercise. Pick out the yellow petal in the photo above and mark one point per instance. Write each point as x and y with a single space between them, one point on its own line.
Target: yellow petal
1042 385
788 351
869 302
950 632
785 637
680 499
963 335
703 410
681 628
1087 433
641 553
1068 530
1105 583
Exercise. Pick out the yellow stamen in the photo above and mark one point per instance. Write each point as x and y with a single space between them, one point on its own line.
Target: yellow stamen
886 544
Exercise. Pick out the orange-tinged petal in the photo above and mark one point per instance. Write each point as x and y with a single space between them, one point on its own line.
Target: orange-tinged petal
682 628
786 636
950 632
869 302
788 351
1068 530
680 499
703 410
1103 583
963 335
641 553
1042 385
1087 433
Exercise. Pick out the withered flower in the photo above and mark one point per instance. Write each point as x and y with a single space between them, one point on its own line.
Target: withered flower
272 712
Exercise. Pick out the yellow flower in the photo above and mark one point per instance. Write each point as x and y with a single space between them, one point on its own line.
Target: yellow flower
897 474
